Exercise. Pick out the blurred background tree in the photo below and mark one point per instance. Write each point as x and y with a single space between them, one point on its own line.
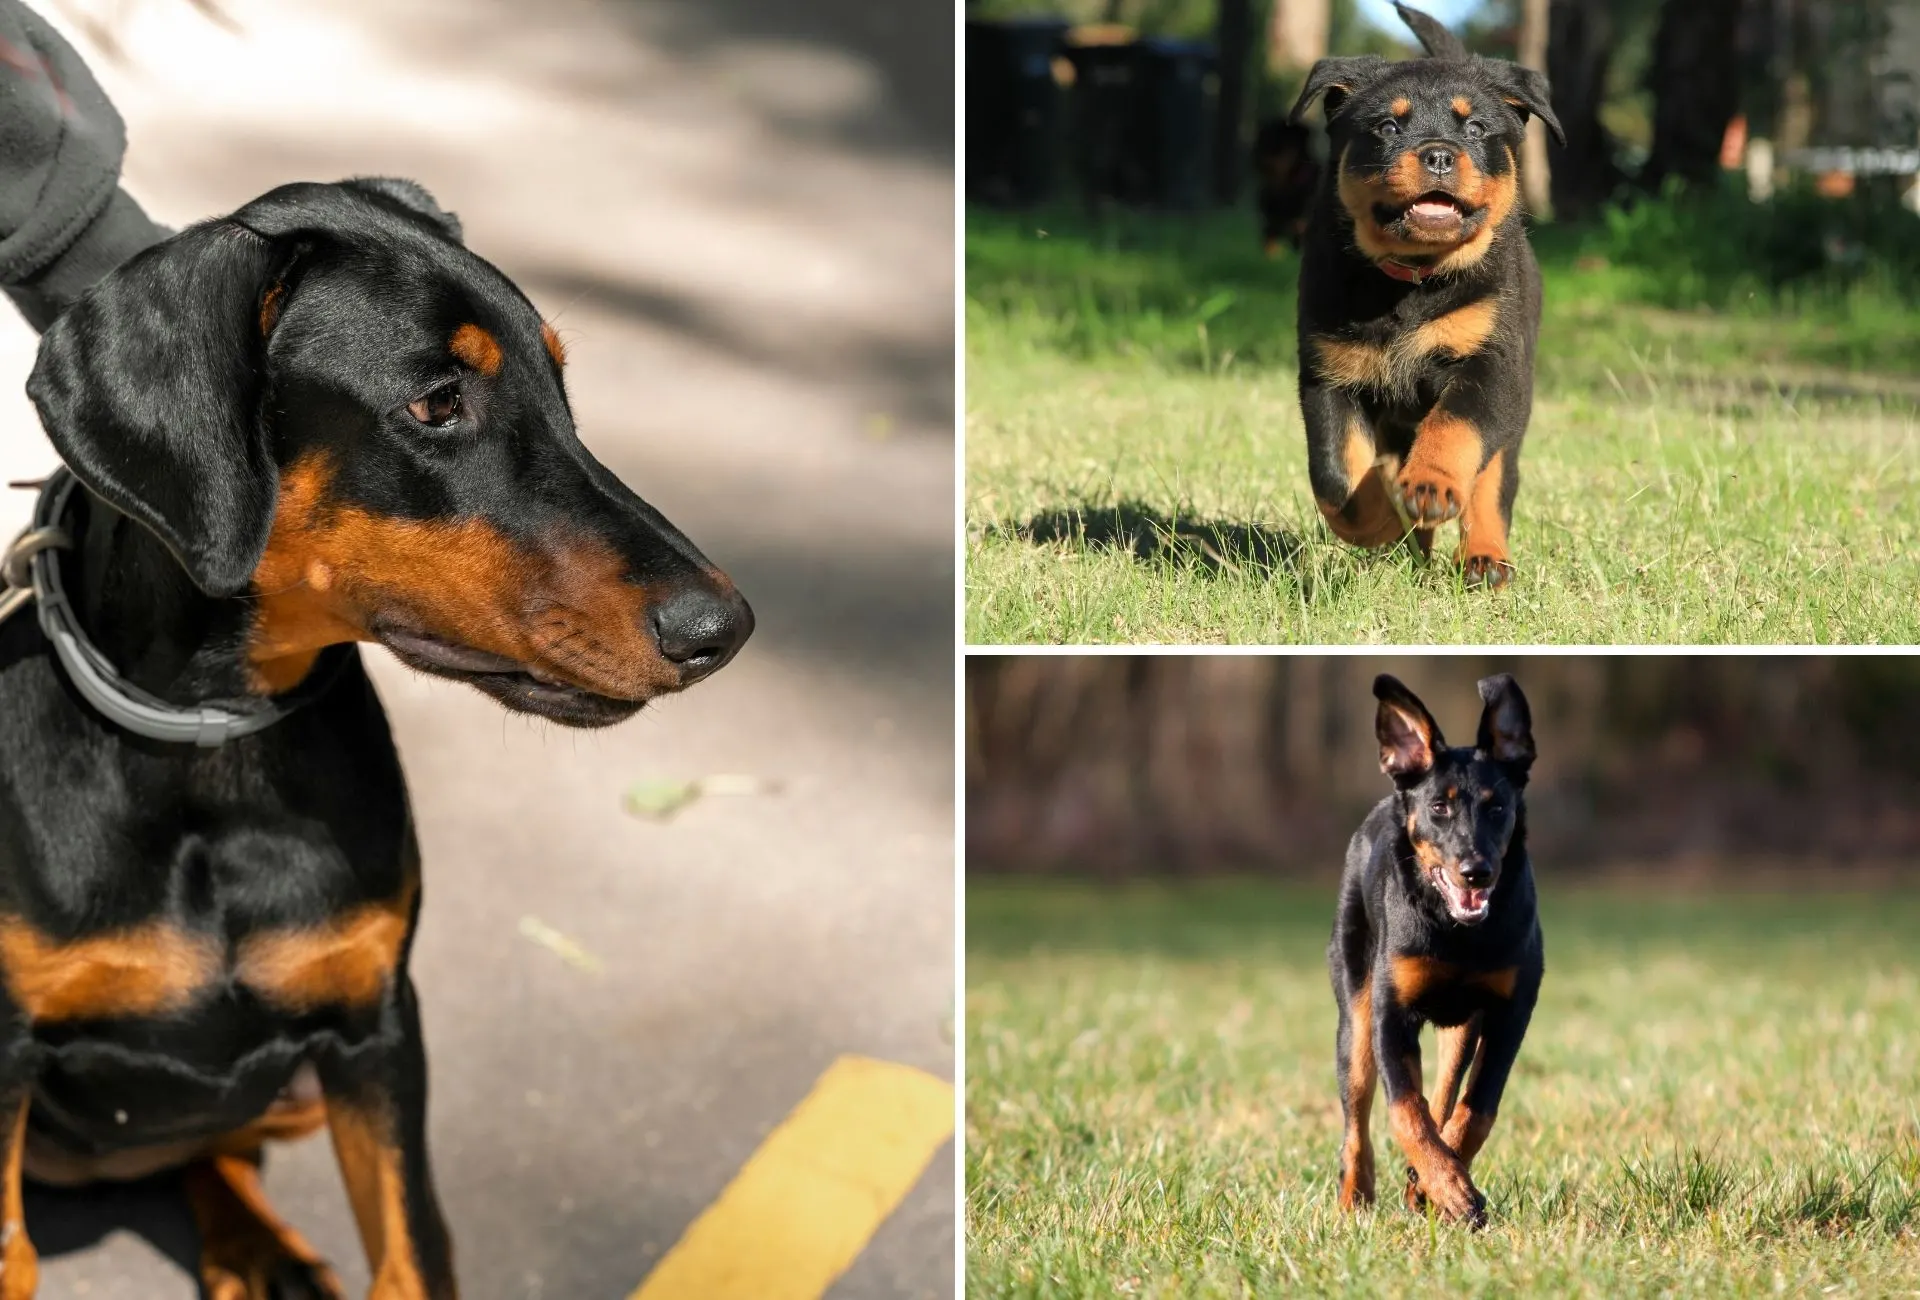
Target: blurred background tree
1176 765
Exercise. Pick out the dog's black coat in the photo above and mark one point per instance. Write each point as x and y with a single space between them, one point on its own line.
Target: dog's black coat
1436 924
245 390
1420 298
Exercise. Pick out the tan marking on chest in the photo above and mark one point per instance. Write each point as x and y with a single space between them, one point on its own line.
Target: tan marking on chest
1462 331
1395 366
143 971
1415 977
347 961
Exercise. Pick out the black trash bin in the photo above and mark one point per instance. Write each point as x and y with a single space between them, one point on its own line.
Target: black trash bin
1174 111
1013 109
1103 124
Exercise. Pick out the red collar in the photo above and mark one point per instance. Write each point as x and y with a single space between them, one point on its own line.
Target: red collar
1402 272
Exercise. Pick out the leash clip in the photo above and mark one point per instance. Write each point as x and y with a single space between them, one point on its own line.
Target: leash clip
16 568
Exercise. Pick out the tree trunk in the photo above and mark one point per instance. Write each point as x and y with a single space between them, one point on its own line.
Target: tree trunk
1579 55
1696 88
1535 174
1235 38
1297 34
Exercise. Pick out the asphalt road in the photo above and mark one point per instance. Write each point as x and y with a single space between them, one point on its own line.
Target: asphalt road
739 213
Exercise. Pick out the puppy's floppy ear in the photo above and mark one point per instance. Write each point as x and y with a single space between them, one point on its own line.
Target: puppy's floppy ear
1409 737
1506 724
1336 79
152 388
1526 91
409 199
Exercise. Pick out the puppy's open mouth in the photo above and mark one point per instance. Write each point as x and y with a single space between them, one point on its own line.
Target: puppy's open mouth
525 687
1466 905
1434 215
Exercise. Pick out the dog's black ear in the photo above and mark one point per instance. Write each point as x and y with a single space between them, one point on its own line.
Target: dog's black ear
1409 737
1435 39
1336 79
151 388
1506 724
409 199
1526 91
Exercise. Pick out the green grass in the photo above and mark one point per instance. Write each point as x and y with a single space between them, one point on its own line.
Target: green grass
1718 1096
1136 467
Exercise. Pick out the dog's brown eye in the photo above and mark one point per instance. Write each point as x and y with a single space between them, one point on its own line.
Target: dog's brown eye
1390 127
1475 130
438 409
1440 808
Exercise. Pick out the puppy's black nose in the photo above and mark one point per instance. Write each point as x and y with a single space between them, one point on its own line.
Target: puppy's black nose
1476 873
1438 159
700 629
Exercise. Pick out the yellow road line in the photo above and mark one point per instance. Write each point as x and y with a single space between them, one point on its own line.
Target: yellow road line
806 1203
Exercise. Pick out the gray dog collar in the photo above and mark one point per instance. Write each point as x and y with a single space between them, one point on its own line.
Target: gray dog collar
31 571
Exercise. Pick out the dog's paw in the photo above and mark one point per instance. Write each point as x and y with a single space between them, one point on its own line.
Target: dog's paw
1429 496
1356 1185
1486 568
1451 1193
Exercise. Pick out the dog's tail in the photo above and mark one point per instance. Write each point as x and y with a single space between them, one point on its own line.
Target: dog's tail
1439 42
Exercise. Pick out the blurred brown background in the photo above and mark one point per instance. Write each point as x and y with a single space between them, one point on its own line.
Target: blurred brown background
1176 765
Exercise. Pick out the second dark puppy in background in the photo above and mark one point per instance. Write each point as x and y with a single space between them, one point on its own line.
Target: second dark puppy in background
1288 176
1420 298
1436 924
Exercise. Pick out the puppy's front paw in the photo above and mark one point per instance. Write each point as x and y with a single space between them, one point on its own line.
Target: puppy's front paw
1429 495
1486 566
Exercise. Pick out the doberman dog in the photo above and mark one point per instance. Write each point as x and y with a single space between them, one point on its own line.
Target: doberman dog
318 421
1420 298
1436 923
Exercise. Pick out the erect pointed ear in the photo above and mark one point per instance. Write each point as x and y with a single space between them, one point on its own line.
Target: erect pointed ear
410 199
1336 79
1409 737
152 388
1506 724
1526 91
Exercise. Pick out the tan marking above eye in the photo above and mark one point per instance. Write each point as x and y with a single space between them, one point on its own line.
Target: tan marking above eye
1401 106
1462 106
476 348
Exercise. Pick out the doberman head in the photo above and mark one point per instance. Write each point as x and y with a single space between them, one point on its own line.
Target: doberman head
1460 808
327 405
1427 149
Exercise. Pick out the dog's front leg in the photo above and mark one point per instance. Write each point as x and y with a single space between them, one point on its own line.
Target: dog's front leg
1504 1028
1341 465
1437 1173
1465 463
376 1097
19 1263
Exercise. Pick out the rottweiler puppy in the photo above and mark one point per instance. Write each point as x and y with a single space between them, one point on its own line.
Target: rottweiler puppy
1288 177
1420 298
1436 924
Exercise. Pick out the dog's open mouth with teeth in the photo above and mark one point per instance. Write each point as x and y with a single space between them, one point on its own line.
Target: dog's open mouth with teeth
1436 217
1465 903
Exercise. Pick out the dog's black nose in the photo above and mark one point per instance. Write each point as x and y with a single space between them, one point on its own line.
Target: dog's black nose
1476 873
1438 159
700 628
